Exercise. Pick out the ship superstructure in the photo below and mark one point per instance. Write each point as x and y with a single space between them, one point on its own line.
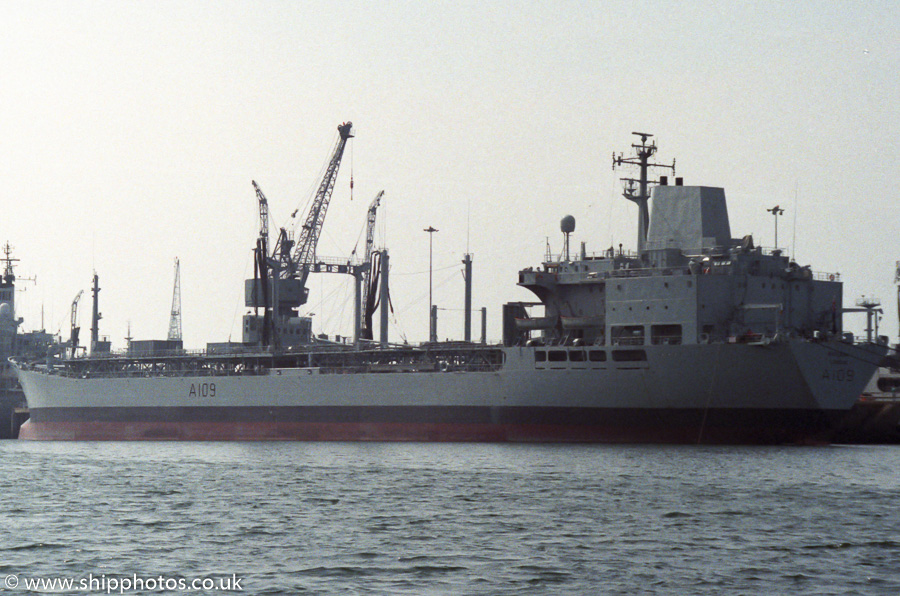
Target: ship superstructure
698 337
693 284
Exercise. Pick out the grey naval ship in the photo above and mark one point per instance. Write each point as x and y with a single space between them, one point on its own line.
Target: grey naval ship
14 343
696 337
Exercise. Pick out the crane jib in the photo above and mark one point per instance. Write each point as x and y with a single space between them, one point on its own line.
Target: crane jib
305 247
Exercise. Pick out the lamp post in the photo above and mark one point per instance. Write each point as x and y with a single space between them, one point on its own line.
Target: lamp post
431 330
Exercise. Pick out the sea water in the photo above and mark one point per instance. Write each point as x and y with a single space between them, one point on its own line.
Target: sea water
417 518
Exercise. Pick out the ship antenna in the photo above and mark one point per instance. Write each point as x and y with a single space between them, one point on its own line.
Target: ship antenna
468 222
643 152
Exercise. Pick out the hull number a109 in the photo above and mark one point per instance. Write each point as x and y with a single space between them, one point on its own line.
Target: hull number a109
838 374
202 390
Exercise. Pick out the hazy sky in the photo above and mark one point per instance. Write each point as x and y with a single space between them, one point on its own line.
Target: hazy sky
130 132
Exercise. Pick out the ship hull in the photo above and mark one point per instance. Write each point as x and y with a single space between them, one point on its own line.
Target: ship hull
793 392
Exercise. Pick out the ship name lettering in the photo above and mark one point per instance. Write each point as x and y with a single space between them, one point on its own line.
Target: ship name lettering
838 374
202 390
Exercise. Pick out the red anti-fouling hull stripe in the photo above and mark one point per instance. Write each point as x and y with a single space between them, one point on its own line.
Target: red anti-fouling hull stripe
596 426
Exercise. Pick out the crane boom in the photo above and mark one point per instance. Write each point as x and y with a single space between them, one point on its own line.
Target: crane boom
370 225
370 273
263 212
278 286
73 336
304 250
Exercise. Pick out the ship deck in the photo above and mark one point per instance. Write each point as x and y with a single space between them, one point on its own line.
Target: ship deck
332 360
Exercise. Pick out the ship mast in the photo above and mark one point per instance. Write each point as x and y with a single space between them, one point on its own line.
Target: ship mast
95 314
7 281
8 268
641 195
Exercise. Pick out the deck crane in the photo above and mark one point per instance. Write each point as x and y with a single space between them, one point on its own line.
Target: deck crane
303 255
73 335
262 266
291 261
263 214
370 275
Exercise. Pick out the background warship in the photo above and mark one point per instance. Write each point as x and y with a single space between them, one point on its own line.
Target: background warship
30 345
697 337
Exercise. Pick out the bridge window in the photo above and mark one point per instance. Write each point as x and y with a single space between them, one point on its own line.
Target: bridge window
576 356
540 356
